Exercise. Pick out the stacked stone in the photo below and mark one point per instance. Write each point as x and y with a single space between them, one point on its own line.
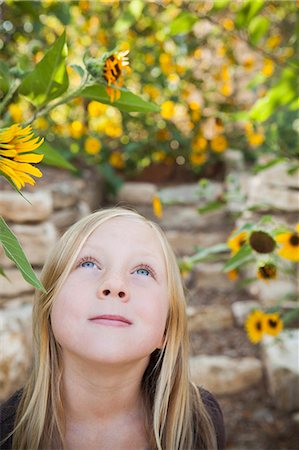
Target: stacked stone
37 221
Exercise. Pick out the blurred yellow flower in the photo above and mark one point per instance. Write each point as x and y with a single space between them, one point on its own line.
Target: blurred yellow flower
76 129
113 70
112 129
248 63
273 41
197 158
224 73
157 206
267 271
116 160
228 24
41 123
197 53
199 143
92 146
158 156
219 144
289 244
255 139
15 112
273 324
268 67
167 109
149 59
226 89
254 326
232 274
16 143
194 106
95 109
237 241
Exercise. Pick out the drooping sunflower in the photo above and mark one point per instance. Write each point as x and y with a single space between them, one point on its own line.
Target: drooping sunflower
272 324
254 326
16 157
236 242
267 271
157 206
289 245
114 66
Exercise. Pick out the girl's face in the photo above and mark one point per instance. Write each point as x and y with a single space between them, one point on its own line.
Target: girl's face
113 306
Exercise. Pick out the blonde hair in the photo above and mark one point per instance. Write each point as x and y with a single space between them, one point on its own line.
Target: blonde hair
176 415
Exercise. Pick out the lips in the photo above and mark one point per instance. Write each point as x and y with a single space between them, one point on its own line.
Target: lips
111 320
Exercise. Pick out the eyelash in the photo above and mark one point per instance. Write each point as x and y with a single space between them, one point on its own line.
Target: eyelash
88 259
146 267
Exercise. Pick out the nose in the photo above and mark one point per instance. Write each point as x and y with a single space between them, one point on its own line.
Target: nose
114 288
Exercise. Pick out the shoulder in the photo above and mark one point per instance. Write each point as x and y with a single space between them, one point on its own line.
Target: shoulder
7 418
214 410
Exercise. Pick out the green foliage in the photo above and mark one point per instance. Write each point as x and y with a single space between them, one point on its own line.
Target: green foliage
15 253
49 79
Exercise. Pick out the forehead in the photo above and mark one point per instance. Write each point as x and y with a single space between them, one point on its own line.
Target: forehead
125 229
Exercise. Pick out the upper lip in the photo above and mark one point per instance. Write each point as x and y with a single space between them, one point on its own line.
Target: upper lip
112 317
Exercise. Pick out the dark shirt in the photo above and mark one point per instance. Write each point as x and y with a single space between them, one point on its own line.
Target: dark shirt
8 414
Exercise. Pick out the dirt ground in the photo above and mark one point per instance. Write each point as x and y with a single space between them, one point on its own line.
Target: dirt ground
251 420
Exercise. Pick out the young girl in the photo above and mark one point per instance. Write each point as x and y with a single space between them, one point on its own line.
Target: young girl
111 354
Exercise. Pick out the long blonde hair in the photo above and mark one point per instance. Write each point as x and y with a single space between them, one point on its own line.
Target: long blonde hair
176 416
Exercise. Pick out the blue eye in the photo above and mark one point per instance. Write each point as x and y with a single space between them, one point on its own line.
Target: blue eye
143 272
88 265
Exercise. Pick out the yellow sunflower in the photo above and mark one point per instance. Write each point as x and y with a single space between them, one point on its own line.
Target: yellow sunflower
272 324
16 143
157 206
267 271
254 326
289 245
236 242
114 67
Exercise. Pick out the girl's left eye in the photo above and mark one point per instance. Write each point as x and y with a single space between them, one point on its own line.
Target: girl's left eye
143 271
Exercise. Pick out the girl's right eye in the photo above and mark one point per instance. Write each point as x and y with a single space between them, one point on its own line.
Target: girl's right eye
88 263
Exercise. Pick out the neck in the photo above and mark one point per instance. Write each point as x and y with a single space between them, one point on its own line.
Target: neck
93 391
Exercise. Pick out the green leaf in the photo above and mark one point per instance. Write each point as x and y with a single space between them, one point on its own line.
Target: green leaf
257 28
203 253
247 11
78 69
128 101
220 4
211 206
4 78
260 167
49 78
53 157
14 252
243 256
183 23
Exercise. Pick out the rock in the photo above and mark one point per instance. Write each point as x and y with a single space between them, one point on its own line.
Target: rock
223 375
211 275
189 194
134 193
15 356
13 207
295 417
64 218
36 241
270 293
188 219
278 176
15 285
66 193
241 309
271 196
214 317
281 359
184 242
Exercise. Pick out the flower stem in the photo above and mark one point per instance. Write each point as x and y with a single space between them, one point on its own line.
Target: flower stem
9 95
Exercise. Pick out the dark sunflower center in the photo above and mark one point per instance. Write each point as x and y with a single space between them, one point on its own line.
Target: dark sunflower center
262 242
258 325
115 71
268 271
272 323
294 240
